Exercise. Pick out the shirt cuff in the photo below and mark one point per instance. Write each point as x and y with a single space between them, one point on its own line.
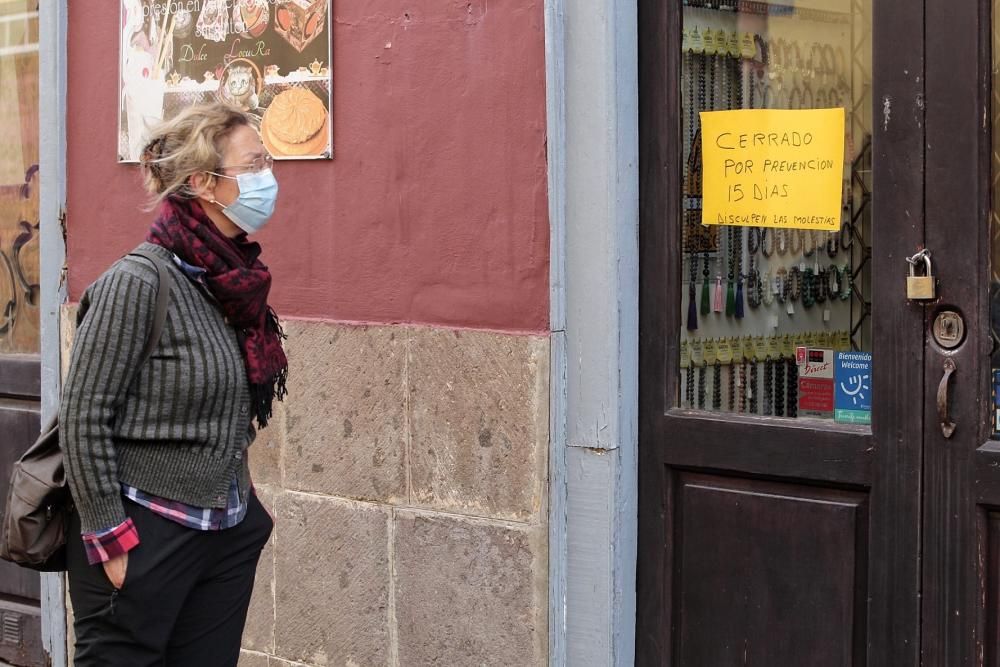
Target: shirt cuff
103 545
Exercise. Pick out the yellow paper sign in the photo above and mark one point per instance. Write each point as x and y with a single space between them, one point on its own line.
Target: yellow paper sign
773 168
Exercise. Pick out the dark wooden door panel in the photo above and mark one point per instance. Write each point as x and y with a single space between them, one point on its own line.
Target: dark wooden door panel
769 573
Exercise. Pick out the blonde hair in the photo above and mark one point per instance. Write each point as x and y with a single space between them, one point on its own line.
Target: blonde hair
189 143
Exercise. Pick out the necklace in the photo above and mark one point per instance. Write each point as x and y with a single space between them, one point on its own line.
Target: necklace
689 386
701 387
742 383
692 317
768 388
731 372
740 311
752 391
793 389
782 241
779 388
717 386
705 303
731 276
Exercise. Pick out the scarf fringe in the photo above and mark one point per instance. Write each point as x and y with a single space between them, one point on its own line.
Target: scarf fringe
263 395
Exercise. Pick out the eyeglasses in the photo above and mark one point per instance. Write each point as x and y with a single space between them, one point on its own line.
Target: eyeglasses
260 164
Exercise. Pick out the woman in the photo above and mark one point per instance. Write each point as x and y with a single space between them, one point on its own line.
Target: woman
156 452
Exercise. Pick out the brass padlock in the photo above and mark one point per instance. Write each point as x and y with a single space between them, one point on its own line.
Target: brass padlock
920 287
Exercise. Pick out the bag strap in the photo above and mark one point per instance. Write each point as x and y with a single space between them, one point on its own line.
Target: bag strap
162 302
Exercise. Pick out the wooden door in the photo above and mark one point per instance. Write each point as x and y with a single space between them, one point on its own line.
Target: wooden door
767 536
961 495
20 376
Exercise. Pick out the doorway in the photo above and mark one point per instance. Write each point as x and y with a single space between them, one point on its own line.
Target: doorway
20 376
819 483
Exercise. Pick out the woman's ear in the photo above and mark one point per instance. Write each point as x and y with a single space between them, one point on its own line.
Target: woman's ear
202 185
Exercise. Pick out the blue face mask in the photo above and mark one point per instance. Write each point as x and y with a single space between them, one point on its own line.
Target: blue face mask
255 205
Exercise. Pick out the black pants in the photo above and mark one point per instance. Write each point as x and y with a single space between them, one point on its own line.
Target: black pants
185 597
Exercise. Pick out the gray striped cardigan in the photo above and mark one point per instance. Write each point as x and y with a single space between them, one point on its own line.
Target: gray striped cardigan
177 427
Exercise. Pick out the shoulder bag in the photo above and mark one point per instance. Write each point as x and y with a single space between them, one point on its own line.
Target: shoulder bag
35 521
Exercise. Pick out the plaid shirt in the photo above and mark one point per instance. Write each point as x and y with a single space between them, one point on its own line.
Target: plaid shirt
103 545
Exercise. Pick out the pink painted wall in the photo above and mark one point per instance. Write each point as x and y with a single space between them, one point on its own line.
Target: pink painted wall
435 207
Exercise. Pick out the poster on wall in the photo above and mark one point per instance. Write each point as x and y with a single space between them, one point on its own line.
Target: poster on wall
270 58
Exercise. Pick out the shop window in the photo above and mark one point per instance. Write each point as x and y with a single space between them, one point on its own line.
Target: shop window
19 316
777 321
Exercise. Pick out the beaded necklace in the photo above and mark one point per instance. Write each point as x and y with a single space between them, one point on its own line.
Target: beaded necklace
731 372
689 385
793 389
753 386
779 388
717 386
734 250
768 386
701 386
782 241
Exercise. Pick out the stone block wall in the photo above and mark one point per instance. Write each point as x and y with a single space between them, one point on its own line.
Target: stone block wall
407 475
406 472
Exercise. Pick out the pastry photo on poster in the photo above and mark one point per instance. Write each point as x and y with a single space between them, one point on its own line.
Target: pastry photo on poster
271 58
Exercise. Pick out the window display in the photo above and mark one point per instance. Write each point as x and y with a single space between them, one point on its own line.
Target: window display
773 314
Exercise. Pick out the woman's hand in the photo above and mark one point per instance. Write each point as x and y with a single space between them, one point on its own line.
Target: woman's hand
115 569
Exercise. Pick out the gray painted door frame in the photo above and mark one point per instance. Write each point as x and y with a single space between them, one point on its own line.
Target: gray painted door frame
52 167
592 98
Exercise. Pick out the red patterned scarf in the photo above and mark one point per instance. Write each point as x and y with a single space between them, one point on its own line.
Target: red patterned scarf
240 283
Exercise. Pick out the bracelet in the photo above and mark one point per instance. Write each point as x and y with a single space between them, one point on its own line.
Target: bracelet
794 284
782 240
797 235
822 286
808 248
832 244
753 240
809 289
768 289
766 242
781 284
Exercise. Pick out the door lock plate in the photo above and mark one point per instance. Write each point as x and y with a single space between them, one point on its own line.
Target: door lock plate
949 329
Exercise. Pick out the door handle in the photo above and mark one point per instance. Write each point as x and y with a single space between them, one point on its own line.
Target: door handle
947 425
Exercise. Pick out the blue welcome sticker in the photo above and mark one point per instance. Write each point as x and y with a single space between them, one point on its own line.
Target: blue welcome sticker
852 379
